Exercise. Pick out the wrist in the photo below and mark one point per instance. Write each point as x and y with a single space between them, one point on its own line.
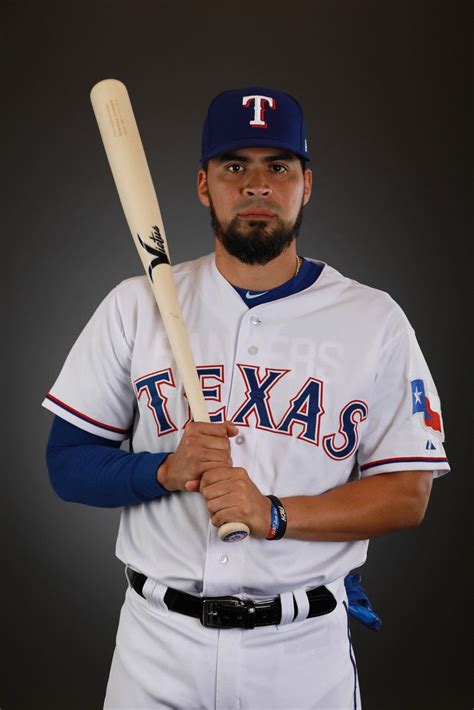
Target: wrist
162 474
261 530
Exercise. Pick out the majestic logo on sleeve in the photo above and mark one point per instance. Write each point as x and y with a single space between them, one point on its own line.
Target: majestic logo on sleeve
259 105
427 404
159 251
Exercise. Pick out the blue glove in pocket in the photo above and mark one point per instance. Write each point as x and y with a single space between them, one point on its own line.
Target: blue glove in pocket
359 605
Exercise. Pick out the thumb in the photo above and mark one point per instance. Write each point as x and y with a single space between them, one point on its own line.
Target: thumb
192 486
231 429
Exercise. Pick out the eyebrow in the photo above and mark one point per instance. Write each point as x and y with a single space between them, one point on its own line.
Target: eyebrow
283 155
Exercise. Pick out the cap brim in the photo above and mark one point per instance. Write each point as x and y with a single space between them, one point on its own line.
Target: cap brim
251 143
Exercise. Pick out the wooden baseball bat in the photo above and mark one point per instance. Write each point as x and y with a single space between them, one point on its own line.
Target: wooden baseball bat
124 149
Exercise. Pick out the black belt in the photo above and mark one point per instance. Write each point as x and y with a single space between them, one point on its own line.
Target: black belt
231 612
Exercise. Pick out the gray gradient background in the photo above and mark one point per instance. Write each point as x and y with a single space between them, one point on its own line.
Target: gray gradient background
383 85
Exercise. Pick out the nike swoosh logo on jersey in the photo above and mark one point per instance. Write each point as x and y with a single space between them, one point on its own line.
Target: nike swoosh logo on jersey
255 295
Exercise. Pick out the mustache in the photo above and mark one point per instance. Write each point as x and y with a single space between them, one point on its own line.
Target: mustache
252 205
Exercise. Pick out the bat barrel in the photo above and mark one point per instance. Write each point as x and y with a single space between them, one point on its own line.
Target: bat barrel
123 146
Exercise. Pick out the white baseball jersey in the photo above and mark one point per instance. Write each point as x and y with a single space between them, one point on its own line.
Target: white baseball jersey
325 385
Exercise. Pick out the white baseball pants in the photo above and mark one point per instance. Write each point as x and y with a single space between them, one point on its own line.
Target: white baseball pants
163 659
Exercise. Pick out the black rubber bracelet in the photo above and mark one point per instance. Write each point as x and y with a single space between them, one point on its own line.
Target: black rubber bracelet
282 515
274 522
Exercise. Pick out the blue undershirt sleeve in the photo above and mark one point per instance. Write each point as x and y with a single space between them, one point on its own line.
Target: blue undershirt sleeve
84 468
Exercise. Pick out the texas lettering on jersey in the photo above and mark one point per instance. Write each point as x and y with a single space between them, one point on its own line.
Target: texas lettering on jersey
303 415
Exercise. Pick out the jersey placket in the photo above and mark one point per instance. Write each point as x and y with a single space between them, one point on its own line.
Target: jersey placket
225 562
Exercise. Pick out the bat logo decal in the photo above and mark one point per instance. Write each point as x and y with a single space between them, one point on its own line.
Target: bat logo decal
159 252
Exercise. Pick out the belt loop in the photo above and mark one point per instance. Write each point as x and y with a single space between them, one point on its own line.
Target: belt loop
302 603
287 608
126 575
338 589
154 592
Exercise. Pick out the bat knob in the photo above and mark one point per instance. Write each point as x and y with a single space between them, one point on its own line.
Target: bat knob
233 532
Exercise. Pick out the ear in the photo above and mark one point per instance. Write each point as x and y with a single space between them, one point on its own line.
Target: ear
202 188
308 185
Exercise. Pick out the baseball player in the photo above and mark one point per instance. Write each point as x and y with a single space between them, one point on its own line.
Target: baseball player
325 431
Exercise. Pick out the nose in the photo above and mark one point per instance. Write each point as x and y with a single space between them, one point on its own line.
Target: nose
256 184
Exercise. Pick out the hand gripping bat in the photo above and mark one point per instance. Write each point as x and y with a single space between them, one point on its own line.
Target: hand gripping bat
124 149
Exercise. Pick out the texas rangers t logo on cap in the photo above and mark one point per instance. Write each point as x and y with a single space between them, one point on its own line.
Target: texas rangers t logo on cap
258 108
233 115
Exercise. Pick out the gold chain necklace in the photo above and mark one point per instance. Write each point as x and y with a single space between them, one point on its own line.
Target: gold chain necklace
298 266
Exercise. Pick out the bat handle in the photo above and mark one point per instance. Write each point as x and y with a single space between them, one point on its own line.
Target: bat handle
233 532
229 532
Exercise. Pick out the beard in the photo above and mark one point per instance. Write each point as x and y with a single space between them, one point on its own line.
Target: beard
261 241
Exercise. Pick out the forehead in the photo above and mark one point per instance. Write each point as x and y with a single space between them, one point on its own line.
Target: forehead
256 154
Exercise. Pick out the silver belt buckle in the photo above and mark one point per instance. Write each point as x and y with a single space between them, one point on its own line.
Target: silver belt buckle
227 613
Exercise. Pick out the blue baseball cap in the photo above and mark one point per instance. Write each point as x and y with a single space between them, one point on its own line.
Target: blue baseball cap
253 117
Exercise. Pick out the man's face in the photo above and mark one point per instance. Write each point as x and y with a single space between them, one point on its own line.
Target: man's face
256 197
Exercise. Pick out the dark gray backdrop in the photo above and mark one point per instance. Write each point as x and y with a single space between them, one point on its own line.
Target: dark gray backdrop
383 85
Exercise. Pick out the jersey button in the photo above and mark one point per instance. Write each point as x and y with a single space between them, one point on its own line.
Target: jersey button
253 350
239 439
255 320
223 559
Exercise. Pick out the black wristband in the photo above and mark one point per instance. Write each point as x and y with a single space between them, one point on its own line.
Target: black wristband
282 517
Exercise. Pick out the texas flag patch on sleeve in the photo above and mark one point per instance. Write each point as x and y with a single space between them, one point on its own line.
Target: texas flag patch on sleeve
427 403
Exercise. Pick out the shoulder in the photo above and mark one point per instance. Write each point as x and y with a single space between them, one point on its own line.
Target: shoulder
361 301
138 287
133 298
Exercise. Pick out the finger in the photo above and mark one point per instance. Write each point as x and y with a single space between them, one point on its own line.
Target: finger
202 466
231 429
216 474
214 442
227 515
214 455
223 473
192 486
217 490
218 429
198 470
230 500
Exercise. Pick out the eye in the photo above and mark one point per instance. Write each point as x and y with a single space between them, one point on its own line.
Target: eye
239 167
278 168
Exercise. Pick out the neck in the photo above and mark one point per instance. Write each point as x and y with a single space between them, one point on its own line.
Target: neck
256 277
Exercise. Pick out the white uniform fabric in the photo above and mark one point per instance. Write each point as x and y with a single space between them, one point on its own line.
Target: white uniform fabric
300 666
324 386
347 343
